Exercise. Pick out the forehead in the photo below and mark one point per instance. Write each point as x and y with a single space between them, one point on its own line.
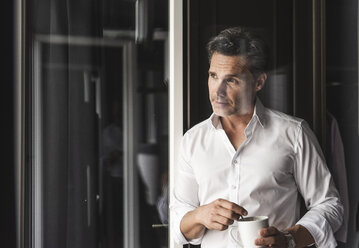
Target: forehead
220 62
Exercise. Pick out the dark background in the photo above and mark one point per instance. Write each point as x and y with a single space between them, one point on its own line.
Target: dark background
7 182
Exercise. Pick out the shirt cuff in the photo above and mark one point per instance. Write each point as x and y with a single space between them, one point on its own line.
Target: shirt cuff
320 229
176 230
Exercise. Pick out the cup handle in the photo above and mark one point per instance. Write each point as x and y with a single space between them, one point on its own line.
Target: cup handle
233 236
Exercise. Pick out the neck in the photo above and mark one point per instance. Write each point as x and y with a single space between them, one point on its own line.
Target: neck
234 122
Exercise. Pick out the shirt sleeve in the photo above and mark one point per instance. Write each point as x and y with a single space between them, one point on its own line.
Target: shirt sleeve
325 210
185 197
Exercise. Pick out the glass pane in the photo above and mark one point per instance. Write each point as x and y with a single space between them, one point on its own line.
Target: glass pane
98 111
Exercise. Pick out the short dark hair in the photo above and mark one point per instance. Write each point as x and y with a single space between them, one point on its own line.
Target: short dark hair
240 41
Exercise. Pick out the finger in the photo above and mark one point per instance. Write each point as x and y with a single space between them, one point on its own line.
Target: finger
218 226
232 206
270 241
222 220
269 231
229 214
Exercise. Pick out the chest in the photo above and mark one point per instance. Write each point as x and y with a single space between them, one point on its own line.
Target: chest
258 157
236 138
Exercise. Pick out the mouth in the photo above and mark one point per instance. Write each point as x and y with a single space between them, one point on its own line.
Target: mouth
220 101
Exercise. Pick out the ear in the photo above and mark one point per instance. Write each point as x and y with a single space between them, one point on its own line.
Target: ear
261 80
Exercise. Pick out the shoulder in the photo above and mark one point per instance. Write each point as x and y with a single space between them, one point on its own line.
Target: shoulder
197 132
280 118
296 129
196 138
202 127
290 122
284 123
284 126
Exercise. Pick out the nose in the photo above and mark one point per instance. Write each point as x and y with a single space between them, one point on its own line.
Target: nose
221 90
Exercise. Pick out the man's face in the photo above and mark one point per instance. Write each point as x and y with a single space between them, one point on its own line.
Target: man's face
232 87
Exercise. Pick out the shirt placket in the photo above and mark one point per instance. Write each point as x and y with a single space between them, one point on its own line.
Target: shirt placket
235 178
237 163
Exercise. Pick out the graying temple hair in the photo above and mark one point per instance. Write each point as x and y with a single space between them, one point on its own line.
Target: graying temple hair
239 41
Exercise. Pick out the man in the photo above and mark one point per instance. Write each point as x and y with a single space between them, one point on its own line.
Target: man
249 160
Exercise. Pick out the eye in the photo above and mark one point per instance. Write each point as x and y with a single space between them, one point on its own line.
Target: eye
231 81
213 75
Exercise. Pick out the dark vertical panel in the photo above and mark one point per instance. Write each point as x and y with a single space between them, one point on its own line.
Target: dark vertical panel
310 65
319 104
82 154
111 184
282 50
202 16
7 178
342 95
304 61
186 64
55 159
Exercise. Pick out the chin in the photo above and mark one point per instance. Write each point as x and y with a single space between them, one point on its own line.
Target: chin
222 113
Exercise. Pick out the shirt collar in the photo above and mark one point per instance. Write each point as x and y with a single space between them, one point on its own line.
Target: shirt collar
258 114
214 122
259 110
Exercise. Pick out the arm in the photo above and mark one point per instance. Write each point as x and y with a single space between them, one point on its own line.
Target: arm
325 211
185 195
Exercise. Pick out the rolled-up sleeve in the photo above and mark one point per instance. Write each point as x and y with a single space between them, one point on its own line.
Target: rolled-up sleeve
325 210
185 196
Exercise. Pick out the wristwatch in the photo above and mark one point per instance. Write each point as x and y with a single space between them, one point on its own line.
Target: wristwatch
290 239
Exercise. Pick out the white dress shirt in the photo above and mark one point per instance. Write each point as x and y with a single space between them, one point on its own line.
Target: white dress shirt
279 159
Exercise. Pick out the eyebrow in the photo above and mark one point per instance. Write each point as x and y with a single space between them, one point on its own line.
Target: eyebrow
235 75
240 76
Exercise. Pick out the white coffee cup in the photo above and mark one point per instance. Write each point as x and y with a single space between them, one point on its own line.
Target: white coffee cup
247 230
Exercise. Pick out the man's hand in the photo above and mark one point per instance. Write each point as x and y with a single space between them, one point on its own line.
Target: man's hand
271 237
217 215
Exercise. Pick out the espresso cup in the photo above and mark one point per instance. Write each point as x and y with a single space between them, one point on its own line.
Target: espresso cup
247 231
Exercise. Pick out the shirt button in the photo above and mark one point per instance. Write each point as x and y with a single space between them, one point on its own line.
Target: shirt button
234 186
235 162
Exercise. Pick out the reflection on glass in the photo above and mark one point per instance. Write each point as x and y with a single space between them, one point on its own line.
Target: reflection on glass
342 138
99 123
